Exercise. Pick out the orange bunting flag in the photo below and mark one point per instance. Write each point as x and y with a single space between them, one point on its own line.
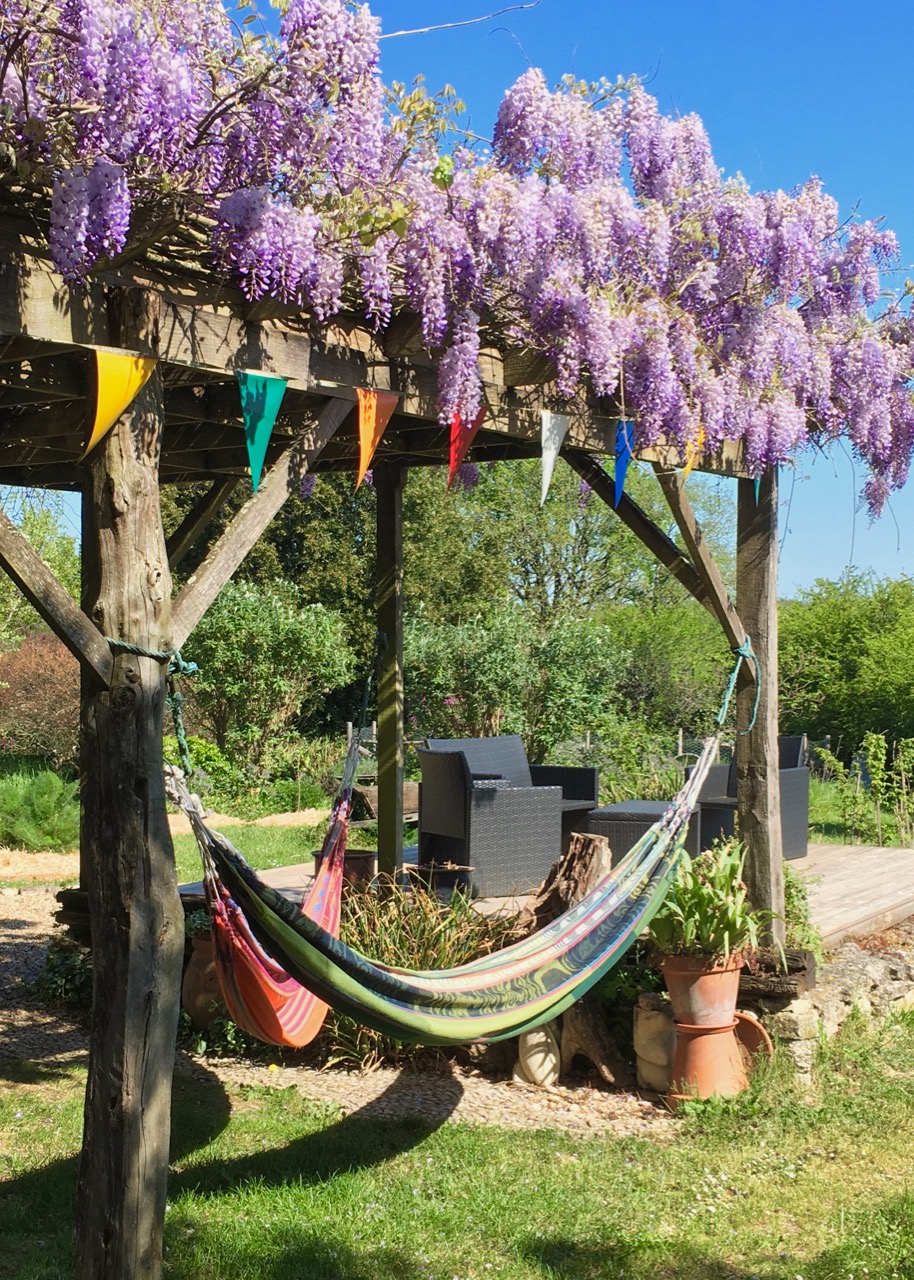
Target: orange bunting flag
692 452
375 411
119 377
461 439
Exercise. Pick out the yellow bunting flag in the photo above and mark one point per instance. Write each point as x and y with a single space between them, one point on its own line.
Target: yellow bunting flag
375 411
119 376
692 453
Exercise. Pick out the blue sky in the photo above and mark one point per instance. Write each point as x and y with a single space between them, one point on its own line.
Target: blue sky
786 90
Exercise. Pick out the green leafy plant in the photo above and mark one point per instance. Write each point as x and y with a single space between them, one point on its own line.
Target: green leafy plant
801 933
67 974
38 811
412 929
707 912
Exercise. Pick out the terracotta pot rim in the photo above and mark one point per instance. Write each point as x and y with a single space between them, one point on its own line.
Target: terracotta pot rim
689 1028
735 960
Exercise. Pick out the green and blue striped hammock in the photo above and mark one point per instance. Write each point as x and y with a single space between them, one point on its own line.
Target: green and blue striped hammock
505 993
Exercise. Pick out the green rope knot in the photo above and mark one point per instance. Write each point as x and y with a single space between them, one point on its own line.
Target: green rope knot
743 653
124 646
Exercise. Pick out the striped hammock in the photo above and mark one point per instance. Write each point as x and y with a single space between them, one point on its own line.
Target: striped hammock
499 996
260 996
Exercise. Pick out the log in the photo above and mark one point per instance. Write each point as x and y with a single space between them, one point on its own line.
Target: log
587 861
127 858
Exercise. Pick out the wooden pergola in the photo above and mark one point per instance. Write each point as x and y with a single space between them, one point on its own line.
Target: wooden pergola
185 426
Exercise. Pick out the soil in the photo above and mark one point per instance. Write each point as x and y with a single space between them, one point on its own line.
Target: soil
31 1031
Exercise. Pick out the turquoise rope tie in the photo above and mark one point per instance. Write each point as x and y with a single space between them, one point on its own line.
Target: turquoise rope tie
174 700
744 653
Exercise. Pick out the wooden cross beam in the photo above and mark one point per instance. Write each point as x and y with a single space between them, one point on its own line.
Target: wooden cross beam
718 598
231 548
46 595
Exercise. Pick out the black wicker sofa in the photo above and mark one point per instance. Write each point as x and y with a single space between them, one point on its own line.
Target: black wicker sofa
482 805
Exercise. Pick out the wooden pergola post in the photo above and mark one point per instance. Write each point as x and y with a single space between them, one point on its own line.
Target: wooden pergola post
135 912
388 481
758 785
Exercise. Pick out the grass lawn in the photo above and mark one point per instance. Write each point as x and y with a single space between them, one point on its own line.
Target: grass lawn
266 847
268 1186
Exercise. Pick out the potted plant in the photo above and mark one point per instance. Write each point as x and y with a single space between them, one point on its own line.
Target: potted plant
704 930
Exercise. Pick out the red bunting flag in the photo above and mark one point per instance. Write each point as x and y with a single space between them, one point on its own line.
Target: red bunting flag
461 439
375 411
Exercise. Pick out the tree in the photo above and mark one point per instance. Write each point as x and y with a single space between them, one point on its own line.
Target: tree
846 667
264 660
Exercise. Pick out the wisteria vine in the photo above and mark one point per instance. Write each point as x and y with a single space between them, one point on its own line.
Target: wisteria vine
595 229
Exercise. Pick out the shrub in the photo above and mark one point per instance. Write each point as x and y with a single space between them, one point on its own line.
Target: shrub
264 661
409 929
39 701
67 974
38 811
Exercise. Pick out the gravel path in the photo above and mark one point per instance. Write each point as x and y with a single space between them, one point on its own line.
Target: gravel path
28 1030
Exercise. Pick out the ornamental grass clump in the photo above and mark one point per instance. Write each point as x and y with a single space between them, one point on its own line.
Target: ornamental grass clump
707 911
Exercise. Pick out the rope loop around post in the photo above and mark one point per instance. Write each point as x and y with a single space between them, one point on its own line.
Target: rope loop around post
744 653
174 700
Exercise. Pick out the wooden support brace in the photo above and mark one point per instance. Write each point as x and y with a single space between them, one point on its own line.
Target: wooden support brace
197 519
640 524
242 534
42 590
718 597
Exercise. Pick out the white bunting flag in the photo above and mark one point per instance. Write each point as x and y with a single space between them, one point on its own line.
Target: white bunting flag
555 429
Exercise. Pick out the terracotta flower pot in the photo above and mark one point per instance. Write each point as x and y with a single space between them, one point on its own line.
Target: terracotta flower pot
703 992
707 1063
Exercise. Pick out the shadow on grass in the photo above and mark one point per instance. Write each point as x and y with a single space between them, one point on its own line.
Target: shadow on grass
377 1132
36 1208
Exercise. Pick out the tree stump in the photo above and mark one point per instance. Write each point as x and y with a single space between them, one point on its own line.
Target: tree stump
587 861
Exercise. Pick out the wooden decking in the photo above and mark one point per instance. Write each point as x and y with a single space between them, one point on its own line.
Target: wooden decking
857 889
853 889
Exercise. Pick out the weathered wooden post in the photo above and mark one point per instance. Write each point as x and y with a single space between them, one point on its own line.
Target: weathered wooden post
758 787
135 912
389 490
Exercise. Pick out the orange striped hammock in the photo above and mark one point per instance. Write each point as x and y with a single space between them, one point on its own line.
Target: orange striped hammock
259 995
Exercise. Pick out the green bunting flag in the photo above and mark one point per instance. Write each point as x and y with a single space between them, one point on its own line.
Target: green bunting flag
261 396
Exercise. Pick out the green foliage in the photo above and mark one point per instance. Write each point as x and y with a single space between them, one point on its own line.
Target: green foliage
67 975
214 773
800 931
264 660
846 665
706 912
38 811
503 675
636 762
874 793
411 929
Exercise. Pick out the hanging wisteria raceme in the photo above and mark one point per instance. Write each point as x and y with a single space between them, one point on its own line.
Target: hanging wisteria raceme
596 230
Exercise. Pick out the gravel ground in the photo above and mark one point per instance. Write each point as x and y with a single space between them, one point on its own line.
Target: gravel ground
28 1030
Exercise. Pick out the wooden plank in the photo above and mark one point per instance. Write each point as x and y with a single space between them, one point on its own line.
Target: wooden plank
35 302
42 590
697 546
641 525
196 520
758 784
389 596
240 537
